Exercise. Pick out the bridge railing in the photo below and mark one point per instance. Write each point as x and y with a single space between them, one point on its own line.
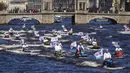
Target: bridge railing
66 13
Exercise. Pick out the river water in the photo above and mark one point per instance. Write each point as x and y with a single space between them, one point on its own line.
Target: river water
16 63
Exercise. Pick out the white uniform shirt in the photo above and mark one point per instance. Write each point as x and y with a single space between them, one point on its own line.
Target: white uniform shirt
94 43
118 49
107 55
58 48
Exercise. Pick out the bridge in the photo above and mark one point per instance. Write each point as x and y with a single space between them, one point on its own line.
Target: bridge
43 18
83 18
79 18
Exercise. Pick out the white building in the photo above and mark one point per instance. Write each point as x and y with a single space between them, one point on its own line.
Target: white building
20 4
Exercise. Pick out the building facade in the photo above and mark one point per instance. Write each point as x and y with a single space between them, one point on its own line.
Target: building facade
64 5
16 6
103 6
127 5
35 4
92 6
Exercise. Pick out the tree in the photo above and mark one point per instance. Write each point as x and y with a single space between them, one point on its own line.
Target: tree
2 6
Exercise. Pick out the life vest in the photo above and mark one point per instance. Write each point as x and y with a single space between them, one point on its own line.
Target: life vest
79 51
6 36
119 53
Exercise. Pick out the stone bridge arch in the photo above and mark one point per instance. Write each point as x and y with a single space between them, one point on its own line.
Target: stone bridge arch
10 17
110 18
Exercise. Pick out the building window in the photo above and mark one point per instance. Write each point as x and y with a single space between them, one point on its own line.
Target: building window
80 6
47 6
37 6
83 5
